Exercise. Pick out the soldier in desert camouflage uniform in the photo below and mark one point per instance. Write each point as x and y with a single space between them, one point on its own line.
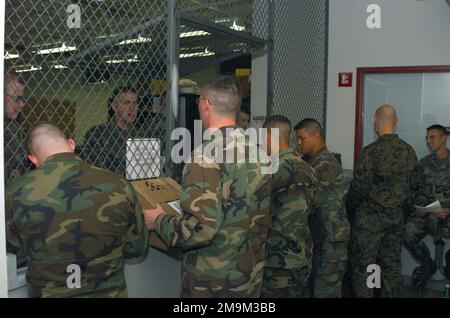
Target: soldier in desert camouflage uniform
328 223
289 247
67 212
225 222
15 155
386 181
435 185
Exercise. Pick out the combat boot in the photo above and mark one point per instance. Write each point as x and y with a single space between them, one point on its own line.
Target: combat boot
423 273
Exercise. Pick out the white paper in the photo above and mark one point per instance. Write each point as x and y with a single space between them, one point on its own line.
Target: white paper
143 158
176 205
430 208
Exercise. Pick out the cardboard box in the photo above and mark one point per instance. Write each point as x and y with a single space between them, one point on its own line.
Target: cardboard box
164 191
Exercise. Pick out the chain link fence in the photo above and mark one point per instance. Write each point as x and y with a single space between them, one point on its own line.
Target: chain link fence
234 14
99 71
299 60
204 44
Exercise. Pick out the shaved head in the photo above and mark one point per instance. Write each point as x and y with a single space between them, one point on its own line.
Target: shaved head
44 140
225 94
310 125
385 119
310 138
44 135
386 113
282 123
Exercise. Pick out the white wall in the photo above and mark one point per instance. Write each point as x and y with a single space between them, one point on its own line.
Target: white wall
259 88
412 33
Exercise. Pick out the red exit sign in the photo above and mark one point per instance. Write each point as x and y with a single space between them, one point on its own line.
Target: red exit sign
345 79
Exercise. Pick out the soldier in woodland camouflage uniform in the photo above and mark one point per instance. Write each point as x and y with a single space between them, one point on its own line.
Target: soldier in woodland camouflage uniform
225 222
435 185
105 144
289 247
385 183
67 212
15 156
328 223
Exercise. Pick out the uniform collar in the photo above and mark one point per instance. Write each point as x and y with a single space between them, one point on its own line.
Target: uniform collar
319 152
112 125
224 128
63 156
388 136
436 158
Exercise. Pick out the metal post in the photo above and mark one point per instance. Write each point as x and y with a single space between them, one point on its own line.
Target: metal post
173 78
325 75
3 263
270 57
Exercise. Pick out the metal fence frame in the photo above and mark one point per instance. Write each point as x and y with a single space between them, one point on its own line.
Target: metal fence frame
217 18
3 264
202 17
176 17
273 67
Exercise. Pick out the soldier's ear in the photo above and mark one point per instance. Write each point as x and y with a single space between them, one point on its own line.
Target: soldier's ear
114 106
72 144
317 137
34 160
208 106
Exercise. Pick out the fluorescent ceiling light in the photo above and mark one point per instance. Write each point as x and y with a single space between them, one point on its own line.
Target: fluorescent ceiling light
59 66
197 54
100 82
193 33
30 69
139 39
191 48
239 47
11 56
106 36
61 49
222 20
237 27
129 60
